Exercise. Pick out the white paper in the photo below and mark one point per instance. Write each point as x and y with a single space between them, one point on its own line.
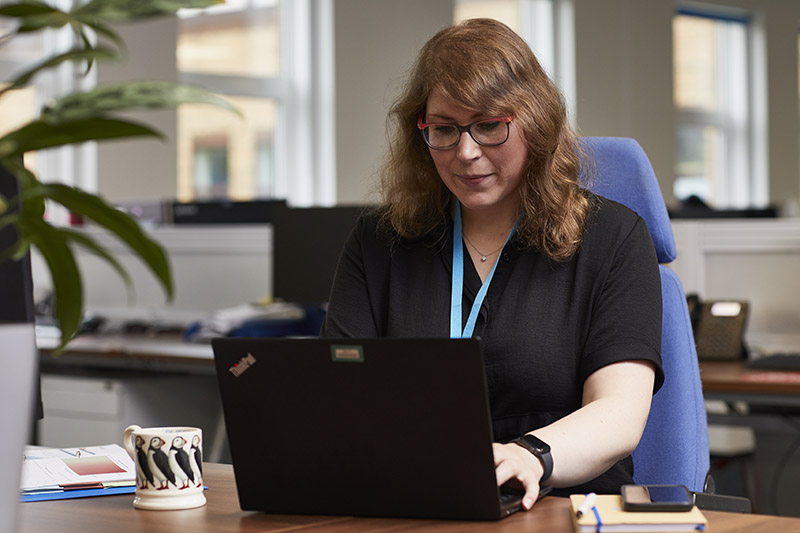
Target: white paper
56 467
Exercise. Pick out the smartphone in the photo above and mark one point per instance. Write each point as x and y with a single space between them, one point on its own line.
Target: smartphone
656 498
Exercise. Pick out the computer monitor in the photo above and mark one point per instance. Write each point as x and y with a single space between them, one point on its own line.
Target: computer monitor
224 211
16 285
306 244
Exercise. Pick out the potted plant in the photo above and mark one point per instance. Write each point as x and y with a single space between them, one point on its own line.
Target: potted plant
72 119
77 118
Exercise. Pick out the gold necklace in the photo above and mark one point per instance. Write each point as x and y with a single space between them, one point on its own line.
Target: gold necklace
483 255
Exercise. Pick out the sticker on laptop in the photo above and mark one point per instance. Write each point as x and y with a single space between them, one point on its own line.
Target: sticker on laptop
347 354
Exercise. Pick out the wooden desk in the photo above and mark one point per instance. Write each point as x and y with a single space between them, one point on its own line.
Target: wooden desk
116 514
732 381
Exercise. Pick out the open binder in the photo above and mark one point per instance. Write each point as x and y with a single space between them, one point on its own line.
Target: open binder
63 473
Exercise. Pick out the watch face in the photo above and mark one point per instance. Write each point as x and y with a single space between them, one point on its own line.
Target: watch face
540 445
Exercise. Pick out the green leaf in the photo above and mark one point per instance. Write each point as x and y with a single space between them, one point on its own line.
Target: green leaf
15 252
66 278
73 55
18 249
55 19
39 134
106 31
131 10
119 223
9 219
93 246
33 204
8 252
25 9
129 96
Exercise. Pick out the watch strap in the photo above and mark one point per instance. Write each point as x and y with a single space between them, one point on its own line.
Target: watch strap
540 449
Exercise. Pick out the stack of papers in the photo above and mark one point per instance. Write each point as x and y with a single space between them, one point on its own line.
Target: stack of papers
60 473
608 516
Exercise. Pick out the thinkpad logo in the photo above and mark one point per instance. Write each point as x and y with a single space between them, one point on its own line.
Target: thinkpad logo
244 363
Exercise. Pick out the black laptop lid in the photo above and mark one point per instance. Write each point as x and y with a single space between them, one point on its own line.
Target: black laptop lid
372 427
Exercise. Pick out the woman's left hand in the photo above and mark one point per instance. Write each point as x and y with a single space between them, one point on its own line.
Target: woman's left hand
513 462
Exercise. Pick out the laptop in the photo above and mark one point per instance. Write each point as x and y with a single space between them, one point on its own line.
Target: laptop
365 427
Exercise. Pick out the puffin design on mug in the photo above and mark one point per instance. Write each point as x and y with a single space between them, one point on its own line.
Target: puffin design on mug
196 460
158 462
168 466
179 463
144 474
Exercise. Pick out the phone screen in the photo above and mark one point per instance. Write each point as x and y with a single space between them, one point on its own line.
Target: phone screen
656 498
668 494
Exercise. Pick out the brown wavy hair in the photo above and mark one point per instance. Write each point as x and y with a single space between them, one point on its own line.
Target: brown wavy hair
483 66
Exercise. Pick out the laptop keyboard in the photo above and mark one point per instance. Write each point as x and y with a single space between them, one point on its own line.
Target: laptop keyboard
506 498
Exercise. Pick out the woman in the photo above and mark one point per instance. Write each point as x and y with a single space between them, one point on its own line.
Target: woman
483 161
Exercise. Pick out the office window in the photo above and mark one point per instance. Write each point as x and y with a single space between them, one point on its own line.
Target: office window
532 19
546 25
210 164
712 93
247 143
258 54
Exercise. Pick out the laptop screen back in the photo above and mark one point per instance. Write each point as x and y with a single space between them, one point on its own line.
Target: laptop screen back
371 427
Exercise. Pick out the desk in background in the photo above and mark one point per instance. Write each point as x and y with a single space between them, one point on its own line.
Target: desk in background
163 352
757 398
222 513
102 383
733 381
768 403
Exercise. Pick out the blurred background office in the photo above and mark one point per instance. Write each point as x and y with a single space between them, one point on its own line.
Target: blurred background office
709 89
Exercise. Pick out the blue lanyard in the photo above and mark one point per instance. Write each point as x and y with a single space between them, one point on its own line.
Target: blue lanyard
457 290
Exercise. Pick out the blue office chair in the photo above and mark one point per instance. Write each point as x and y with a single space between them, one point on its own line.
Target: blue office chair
674 446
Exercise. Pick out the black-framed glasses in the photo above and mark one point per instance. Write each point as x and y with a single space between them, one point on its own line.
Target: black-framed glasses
486 132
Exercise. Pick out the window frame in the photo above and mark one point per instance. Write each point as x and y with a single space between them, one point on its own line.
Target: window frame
305 160
741 177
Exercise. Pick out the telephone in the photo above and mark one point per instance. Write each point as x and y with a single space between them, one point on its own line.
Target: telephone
718 327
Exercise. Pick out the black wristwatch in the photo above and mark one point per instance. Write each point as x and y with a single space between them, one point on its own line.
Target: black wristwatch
540 449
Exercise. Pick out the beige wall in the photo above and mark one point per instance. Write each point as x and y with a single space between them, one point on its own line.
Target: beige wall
376 43
781 20
144 168
623 59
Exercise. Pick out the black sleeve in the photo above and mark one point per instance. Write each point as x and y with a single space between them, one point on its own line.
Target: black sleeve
626 319
350 310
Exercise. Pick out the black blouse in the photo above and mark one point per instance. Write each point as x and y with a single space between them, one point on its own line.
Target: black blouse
545 326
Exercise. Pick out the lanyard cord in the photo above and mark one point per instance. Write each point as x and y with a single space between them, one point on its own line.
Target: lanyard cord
457 290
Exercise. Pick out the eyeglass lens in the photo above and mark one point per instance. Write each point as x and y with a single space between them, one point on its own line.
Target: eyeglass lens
485 132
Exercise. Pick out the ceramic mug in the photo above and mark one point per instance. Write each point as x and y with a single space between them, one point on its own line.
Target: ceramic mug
169 466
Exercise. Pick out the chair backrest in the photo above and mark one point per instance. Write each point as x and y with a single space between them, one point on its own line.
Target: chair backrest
674 446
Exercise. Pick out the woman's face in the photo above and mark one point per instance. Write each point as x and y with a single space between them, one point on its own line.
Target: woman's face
485 179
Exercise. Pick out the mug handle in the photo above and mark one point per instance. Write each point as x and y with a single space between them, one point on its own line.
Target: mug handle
126 439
